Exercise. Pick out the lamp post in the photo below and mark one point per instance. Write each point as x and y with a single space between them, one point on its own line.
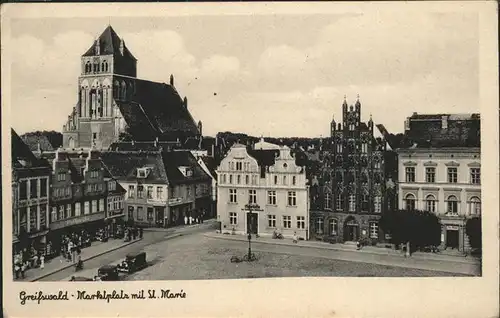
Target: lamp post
251 207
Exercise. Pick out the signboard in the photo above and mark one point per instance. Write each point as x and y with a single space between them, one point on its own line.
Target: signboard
175 201
252 207
452 227
78 220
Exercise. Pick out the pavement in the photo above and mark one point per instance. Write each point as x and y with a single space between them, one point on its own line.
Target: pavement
368 254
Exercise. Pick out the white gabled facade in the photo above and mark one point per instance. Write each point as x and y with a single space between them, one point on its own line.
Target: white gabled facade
269 178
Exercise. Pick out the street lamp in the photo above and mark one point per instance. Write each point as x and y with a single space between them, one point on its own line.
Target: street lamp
251 207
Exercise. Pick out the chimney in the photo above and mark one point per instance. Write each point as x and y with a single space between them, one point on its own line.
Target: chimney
122 46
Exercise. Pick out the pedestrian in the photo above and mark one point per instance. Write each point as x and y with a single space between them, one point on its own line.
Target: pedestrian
185 220
295 239
70 250
140 232
42 261
190 220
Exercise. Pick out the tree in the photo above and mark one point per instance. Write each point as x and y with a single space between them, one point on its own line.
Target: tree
473 231
417 229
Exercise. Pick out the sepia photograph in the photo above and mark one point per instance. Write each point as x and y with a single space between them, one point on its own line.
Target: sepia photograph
205 147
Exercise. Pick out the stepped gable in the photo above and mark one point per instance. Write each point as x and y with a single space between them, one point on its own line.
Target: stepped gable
175 159
123 165
109 43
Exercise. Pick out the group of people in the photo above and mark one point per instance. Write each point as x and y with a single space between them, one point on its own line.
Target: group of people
188 220
25 260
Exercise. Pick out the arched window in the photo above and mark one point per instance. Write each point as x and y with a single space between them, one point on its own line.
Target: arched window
410 201
430 203
475 206
452 203
88 67
333 227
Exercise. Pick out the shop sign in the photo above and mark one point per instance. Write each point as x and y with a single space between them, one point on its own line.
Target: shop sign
77 220
452 227
175 201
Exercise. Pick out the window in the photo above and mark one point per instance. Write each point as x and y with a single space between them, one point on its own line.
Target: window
430 175
247 179
94 174
373 230
430 203
271 221
377 165
239 166
150 214
231 165
377 204
86 209
130 212
252 196
188 191
43 188
254 180
159 193
333 226
232 196
150 192
230 179
224 178
60 212
131 191
271 197
23 190
340 201
327 201
101 205
364 202
140 213
94 206
351 127
292 198
475 175
410 174
53 215
339 147
112 185
452 175
452 203
475 206
140 192
319 225
294 180
364 147
275 179
238 179
233 218
68 191
77 209
352 203
301 222
33 188
287 221
410 201
69 211
110 206
61 176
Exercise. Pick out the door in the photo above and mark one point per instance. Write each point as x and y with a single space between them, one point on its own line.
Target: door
252 224
452 238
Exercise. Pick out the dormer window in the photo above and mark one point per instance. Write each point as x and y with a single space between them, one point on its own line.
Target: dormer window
143 172
186 171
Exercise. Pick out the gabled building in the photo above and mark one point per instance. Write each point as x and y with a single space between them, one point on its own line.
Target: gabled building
441 172
270 178
31 179
114 103
162 187
84 196
354 183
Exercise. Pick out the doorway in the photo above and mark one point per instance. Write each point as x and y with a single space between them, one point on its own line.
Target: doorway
252 223
452 239
351 229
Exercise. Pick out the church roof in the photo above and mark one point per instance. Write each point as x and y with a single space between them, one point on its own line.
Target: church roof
156 109
109 44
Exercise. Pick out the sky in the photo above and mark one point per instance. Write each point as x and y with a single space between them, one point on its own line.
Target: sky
271 75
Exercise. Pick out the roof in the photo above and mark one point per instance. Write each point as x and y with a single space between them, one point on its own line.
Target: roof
109 44
211 164
123 165
473 116
144 146
156 109
264 157
175 159
21 154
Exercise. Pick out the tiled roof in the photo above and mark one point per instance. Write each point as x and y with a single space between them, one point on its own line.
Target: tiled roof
123 165
21 154
37 142
175 159
109 44
211 165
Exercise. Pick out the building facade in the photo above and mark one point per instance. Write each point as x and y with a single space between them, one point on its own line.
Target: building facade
31 181
81 191
441 173
354 184
113 102
162 187
270 179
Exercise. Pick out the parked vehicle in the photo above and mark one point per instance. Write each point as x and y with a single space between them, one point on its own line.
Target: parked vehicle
133 263
108 273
